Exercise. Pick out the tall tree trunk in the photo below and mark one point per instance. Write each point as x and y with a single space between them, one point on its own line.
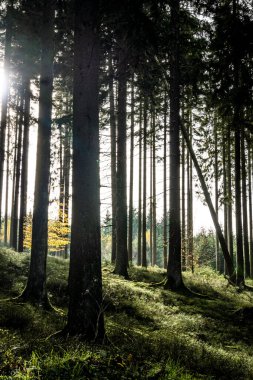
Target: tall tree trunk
216 193
15 150
151 199
244 208
139 253
121 264
223 244
14 221
154 249
165 238
36 290
66 175
85 314
183 223
237 144
6 217
131 181
144 193
174 272
250 209
5 94
61 178
24 172
113 157
230 196
190 203
225 209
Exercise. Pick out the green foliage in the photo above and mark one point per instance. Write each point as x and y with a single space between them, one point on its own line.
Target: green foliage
204 248
151 333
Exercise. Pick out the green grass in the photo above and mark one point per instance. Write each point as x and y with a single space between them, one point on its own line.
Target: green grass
152 333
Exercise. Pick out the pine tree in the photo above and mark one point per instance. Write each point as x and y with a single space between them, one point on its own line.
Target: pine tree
85 313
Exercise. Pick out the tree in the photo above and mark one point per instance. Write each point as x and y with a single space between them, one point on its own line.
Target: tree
144 188
24 172
113 155
36 290
174 273
121 212
131 181
85 313
5 94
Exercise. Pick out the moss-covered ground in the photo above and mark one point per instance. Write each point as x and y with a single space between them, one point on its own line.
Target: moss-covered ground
151 333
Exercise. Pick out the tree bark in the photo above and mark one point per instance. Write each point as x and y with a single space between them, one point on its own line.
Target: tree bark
131 180
85 314
151 197
35 290
174 272
14 221
183 203
154 249
250 209
189 203
6 217
61 178
14 171
230 201
165 226
237 144
113 157
121 264
225 208
24 172
66 175
144 193
244 208
216 193
5 94
139 253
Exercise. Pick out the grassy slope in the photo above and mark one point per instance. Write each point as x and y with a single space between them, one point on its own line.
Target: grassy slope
152 333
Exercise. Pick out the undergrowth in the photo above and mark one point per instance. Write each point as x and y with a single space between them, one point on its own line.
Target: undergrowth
151 333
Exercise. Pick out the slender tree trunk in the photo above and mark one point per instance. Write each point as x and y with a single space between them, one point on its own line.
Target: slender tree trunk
144 193
244 208
237 144
139 254
14 172
6 217
216 192
165 238
113 157
230 196
85 314
24 173
151 200
66 174
5 94
121 264
35 290
154 249
61 178
223 244
14 221
174 272
225 209
183 229
250 209
131 182
190 205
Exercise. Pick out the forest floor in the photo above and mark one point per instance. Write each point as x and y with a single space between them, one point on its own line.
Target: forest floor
152 333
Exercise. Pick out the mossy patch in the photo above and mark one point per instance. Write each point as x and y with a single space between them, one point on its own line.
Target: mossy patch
151 333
